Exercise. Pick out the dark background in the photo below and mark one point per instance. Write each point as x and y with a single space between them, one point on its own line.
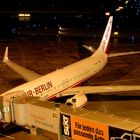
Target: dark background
80 14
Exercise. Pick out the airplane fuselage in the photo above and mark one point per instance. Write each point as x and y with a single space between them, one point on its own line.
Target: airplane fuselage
53 84
50 85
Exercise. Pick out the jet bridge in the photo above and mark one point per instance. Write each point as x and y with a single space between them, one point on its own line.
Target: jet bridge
65 122
6 106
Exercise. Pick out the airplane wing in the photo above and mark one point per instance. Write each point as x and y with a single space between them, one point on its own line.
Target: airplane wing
123 53
102 90
26 74
92 50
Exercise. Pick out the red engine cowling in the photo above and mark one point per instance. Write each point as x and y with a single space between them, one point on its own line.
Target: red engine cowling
77 101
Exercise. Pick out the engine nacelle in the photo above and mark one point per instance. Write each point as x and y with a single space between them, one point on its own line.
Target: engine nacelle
77 101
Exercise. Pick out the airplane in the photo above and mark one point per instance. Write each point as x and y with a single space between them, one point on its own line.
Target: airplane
65 81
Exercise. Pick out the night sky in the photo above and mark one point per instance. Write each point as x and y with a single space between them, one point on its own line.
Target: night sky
76 5
78 13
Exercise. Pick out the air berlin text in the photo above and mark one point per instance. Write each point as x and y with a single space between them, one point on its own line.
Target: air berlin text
39 89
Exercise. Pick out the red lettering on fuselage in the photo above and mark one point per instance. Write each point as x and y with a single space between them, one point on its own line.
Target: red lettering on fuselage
29 93
40 89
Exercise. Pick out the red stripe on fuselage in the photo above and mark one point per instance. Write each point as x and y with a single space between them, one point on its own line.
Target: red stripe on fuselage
74 85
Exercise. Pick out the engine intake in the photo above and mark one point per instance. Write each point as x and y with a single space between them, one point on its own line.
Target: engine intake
77 101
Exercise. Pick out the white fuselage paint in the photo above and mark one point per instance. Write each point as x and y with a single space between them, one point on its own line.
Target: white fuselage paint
50 85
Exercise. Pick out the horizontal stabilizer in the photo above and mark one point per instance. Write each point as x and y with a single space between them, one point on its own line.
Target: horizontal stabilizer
89 48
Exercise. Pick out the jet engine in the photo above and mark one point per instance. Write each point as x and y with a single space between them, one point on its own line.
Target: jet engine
77 101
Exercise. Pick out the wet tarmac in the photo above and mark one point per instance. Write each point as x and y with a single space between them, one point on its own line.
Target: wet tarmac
44 55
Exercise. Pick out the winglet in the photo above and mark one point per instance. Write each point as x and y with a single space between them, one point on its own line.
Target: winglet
5 55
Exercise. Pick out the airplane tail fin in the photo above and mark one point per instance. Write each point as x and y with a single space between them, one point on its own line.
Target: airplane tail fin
106 36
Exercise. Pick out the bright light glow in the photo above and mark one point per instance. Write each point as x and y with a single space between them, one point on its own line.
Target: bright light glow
59 32
107 13
116 33
60 27
24 15
119 8
21 15
126 2
90 48
27 15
